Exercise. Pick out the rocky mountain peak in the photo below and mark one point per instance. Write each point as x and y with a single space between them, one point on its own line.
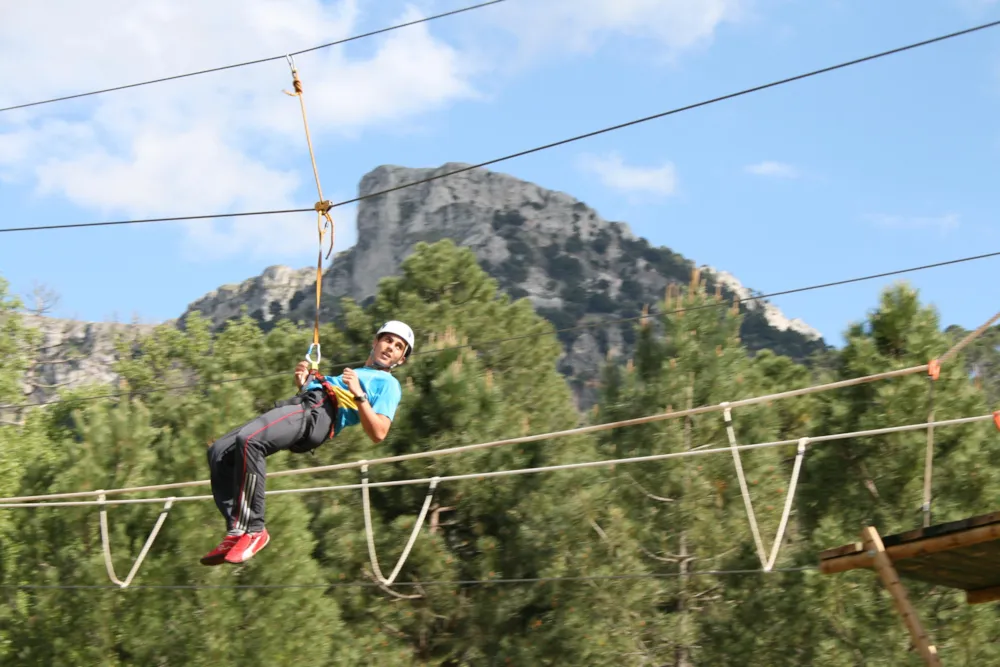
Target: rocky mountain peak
574 266
772 314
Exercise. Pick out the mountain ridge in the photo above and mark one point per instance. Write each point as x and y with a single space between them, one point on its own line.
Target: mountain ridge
578 270
541 244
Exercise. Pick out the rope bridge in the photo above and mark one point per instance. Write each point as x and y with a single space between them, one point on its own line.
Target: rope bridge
734 449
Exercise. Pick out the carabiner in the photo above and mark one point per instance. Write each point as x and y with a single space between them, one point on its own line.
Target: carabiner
314 363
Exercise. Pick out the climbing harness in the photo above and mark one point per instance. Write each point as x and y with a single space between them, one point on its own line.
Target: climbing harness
338 396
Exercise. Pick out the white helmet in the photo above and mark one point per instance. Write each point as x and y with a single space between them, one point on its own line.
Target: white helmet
400 329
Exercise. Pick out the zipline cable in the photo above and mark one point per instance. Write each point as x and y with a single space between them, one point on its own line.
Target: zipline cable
529 151
255 62
498 341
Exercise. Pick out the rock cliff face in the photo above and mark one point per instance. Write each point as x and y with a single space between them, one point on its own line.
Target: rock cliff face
274 294
547 246
73 353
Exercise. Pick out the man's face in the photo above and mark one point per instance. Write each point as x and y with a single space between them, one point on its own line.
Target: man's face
389 349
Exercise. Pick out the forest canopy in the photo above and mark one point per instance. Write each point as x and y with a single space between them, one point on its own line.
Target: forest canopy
651 563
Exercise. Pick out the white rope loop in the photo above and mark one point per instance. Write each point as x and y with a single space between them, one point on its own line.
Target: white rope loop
106 541
789 499
727 414
370 535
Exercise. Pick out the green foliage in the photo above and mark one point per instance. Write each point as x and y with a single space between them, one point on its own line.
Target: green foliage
983 361
16 345
481 374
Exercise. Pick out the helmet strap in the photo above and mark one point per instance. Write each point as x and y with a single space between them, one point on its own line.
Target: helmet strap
378 364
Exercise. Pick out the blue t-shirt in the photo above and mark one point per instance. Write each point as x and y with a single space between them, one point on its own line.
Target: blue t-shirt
383 391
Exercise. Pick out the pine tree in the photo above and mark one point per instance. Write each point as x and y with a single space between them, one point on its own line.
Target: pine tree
482 374
466 385
878 481
688 514
21 441
108 445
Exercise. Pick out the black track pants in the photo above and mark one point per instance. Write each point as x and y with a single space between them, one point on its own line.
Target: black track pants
237 459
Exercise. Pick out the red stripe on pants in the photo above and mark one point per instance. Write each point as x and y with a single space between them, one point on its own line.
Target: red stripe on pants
243 480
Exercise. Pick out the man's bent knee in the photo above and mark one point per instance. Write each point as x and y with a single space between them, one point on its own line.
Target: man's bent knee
217 451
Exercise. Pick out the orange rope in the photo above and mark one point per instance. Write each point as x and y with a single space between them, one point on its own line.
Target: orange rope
323 218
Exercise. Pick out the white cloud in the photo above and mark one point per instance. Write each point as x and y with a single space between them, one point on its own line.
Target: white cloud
226 141
584 25
976 6
615 174
231 140
770 168
941 223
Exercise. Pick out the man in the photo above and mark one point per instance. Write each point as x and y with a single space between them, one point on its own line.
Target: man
324 406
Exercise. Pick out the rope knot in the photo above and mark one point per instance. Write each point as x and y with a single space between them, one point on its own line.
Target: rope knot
296 83
323 206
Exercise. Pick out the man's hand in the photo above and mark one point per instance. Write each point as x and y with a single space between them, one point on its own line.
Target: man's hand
352 382
301 373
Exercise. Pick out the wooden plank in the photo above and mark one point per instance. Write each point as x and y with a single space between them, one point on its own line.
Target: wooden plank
955 564
916 534
883 565
982 595
937 575
941 529
967 568
847 549
922 547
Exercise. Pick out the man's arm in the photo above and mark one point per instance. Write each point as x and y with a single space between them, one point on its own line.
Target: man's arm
376 426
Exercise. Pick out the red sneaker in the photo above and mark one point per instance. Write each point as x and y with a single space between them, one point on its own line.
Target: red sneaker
217 556
247 546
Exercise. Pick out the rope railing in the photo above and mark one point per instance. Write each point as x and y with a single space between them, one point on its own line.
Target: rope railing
995 417
767 561
583 430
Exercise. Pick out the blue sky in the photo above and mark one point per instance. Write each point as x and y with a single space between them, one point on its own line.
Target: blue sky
877 167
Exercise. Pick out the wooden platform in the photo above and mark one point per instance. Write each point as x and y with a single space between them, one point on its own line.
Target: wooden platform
959 554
